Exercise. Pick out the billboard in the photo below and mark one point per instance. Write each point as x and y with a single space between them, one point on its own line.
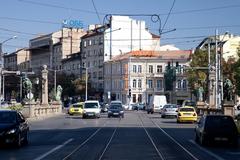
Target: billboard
72 24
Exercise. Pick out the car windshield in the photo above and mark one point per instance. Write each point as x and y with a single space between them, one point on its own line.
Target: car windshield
219 122
91 105
77 106
186 110
7 117
170 106
115 107
189 104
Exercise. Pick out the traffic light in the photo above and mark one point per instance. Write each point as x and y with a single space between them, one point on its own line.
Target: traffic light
177 64
129 92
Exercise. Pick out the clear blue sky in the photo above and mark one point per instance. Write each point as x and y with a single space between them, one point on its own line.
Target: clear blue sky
193 19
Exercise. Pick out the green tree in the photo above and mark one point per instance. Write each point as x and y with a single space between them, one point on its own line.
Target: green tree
236 75
198 77
66 81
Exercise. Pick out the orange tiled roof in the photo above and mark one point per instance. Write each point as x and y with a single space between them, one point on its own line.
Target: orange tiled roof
178 54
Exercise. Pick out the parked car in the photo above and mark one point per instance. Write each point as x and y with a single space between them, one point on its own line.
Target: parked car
115 110
76 108
186 114
91 108
169 110
14 128
156 103
216 128
141 106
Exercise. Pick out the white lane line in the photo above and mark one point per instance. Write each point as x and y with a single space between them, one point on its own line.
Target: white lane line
53 150
207 151
195 158
234 153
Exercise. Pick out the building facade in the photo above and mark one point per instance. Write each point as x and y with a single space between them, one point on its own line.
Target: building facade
143 72
122 34
228 45
52 48
17 61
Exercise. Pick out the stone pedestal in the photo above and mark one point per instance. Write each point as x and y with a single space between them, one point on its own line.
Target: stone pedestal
228 108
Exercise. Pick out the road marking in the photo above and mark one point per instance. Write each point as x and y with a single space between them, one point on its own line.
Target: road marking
205 150
53 150
150 138
195 158
234 153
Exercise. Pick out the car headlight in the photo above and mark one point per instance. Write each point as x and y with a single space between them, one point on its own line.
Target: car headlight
121 111
12 131
109 111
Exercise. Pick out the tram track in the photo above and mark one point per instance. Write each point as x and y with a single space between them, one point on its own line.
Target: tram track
164 133
92 137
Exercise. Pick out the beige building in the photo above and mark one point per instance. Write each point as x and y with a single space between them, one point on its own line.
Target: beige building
71 64
143 73
52 48
230 44
17 61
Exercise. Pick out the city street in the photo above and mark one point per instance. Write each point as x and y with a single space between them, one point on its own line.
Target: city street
137 136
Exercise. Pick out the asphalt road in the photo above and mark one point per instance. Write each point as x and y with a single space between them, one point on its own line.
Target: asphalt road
137 136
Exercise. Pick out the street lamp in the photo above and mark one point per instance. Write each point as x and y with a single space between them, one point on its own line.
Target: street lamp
1 64
86 81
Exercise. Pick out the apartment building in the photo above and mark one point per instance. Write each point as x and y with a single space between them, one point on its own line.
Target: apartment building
121 35
17 61
50 49
71 64
228 45
143 73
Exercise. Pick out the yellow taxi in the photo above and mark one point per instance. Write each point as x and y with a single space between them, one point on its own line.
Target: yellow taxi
186 114
76 108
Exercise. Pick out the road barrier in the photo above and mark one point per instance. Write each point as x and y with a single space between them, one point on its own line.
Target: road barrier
33 109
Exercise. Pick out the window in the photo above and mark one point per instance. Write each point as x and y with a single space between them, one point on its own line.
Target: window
134 68
139 83
134 98
179 84
85 43
150 85
89 42
134 83
159 69
159 84
139 68
184 84
150 69
139 98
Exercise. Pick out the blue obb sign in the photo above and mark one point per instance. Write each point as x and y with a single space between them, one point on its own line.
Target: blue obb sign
72 24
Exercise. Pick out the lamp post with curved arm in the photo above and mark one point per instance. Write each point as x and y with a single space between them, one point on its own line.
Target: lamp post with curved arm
1 64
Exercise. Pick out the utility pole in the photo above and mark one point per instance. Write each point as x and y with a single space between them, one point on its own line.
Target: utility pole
216 71
86 80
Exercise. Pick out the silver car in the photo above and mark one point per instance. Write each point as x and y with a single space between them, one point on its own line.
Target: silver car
169 110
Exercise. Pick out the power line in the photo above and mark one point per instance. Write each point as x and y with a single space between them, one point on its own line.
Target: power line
96 11
168 14
58 6
204 9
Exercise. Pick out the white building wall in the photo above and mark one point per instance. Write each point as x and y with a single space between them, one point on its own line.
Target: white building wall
127 34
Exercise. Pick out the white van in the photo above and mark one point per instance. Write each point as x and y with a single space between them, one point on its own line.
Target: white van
91 108
156 103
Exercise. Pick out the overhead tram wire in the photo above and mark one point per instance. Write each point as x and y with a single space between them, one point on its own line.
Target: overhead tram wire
96 11
169 13
163 14
59 6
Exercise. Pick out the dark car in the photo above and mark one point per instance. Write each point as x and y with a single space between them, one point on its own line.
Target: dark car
13 128
116 111
212 128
